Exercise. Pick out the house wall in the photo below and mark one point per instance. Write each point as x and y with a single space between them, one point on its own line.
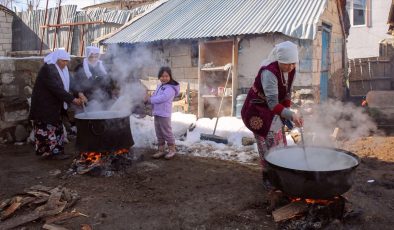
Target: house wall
336 87
364 41
176 55
253 50
5 32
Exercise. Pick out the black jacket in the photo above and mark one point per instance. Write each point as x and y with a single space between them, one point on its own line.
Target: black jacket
48 96
98 81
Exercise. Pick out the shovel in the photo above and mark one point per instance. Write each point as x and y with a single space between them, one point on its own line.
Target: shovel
213 137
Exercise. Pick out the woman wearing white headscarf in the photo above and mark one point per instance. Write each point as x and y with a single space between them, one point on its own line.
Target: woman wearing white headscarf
268 101
50 99
91 78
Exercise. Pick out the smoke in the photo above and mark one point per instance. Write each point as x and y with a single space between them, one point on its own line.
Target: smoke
125 66
322 119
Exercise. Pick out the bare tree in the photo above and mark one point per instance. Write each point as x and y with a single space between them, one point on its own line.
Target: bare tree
33 4
9 3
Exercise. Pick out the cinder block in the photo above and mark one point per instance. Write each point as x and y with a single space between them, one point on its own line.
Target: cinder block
180 50
191 73
178 73
181 61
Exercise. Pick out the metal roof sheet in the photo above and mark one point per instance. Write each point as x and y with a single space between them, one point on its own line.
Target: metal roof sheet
192 19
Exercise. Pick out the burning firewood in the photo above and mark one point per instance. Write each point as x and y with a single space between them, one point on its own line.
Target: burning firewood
289 211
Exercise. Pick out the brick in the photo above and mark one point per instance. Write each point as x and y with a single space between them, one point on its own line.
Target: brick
191 73
178 73
10 19
7 47
8 36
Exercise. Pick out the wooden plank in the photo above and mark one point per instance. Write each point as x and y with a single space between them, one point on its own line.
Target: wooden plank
289 211
201 51
53 227
234 80
10 210
61 217
19 220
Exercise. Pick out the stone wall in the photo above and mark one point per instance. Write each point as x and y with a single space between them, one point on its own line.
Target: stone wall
5 32
17 77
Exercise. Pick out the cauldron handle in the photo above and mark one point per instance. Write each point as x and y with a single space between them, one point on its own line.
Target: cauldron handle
91 127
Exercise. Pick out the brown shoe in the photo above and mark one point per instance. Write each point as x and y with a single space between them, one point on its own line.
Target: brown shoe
171 152
160 152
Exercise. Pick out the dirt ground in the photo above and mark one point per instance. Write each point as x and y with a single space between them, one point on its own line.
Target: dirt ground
194 193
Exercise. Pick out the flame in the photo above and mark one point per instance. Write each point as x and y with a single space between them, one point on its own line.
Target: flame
316 201
95 157
121 151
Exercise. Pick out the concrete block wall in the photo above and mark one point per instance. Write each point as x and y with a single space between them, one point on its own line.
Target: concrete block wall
178 56
5 32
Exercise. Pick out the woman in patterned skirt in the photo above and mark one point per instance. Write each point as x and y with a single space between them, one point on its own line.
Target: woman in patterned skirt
49 102
268 100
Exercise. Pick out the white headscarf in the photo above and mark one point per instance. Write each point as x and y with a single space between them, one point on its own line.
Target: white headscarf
90 50
52 58
284 52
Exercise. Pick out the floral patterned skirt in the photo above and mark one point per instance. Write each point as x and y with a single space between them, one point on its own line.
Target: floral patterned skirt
49 138
273 139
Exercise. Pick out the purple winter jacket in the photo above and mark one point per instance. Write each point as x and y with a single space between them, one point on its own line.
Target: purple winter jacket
162 98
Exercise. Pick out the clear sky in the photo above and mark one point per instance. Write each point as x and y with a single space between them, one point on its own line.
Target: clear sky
22 5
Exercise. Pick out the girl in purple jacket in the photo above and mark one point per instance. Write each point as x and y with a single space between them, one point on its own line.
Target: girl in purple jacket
161 101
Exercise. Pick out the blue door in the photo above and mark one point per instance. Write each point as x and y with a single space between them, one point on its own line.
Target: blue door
325 63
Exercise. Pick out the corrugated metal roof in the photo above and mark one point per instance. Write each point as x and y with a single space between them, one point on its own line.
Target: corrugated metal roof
192 19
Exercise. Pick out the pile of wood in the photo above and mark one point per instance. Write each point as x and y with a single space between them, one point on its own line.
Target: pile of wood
52 205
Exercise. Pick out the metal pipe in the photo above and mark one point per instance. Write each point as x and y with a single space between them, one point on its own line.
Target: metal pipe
57 21
73 24
43 30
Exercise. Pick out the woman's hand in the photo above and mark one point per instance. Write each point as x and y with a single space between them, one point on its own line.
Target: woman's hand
146 98
82 98
77 101
298 120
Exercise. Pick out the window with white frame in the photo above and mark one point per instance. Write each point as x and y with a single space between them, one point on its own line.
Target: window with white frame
359 12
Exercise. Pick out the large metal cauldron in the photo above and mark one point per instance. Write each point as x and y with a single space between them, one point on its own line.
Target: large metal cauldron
103 131
319 173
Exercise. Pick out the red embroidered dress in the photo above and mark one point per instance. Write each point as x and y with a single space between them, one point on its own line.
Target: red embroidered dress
255 112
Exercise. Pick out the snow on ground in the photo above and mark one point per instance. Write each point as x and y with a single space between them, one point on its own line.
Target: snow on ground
187 130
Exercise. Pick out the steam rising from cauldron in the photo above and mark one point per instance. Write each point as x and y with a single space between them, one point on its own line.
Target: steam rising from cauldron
324 118
125 66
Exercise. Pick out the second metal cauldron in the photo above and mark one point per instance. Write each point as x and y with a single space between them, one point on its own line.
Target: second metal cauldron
103 131
320 173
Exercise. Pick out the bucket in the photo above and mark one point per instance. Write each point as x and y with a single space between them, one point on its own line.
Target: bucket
239 103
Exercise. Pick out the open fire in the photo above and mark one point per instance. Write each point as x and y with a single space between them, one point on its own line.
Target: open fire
299 213
102 163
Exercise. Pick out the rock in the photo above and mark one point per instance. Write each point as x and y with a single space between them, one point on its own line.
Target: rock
20 133
7 78
248 141
28 90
